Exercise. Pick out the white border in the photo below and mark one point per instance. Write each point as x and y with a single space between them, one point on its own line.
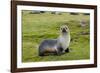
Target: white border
53 63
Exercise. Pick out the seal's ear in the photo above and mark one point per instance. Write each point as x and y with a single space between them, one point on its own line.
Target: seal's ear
61 28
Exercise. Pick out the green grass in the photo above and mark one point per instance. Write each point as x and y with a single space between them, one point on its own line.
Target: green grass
36 27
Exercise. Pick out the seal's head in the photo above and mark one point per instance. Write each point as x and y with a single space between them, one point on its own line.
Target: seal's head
64 29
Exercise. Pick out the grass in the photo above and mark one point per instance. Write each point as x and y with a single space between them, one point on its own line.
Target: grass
36 27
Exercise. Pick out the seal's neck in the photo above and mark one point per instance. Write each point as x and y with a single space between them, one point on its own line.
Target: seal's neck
65 34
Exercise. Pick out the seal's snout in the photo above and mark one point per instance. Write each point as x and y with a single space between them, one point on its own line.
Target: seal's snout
64 30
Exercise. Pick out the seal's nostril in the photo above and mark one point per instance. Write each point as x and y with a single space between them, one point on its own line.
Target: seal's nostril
64 30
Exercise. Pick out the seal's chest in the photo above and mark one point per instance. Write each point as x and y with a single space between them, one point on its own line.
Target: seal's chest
64 41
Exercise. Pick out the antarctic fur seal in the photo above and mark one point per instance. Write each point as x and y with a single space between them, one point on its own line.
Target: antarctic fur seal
56 46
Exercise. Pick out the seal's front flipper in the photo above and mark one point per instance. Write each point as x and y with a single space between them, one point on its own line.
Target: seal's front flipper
67 50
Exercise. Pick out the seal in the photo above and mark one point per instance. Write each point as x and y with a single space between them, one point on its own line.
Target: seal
56 46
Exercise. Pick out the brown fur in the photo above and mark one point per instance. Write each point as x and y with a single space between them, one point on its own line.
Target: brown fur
48 50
